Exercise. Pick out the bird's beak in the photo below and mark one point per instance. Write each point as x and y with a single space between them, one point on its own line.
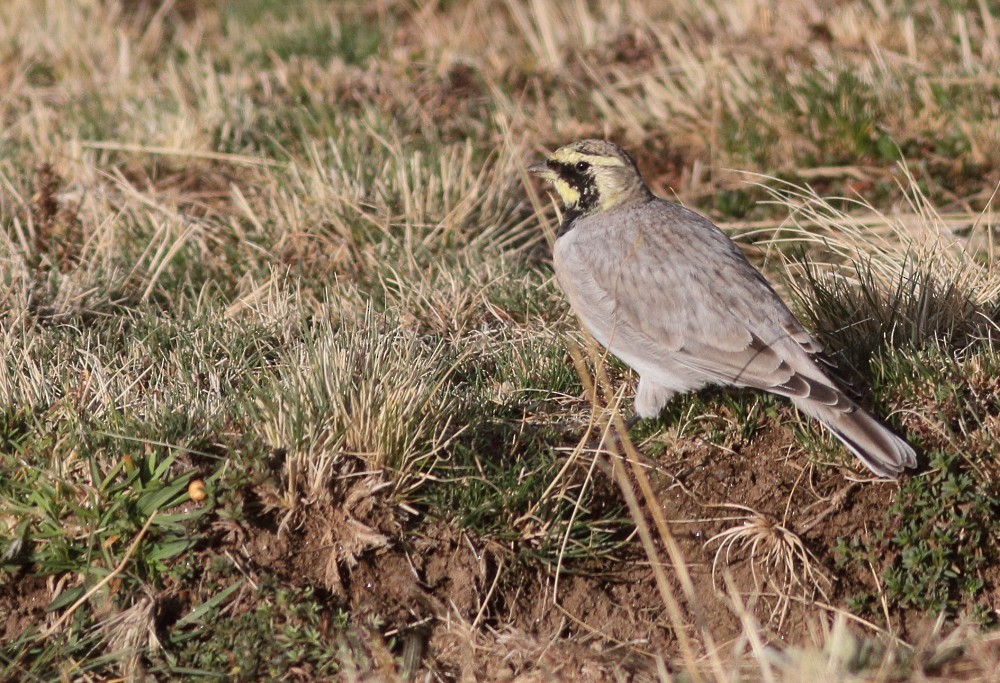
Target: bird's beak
542 170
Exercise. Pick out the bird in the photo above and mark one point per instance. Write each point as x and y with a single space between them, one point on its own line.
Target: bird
669 293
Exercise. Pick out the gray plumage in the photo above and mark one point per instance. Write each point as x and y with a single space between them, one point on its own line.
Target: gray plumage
670 294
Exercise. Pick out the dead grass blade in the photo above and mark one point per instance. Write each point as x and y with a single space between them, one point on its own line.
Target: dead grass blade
776 556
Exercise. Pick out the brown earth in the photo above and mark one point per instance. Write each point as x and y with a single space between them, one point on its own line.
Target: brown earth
22 606
473 609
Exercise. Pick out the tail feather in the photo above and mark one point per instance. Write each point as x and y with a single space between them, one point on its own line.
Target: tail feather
879 449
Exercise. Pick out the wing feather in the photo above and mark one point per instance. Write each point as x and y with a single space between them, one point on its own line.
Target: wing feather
687 297
667 292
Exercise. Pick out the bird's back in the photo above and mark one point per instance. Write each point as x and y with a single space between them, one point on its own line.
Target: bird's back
670 294
658 281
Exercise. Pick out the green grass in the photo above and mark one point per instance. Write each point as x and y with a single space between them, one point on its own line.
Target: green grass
284 628
932 548
288 249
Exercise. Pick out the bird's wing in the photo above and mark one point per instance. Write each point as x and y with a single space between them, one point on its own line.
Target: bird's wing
688 293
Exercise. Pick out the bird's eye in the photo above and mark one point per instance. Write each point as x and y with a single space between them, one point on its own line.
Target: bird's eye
582 166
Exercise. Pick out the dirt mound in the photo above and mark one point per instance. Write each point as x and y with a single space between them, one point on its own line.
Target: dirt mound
468 604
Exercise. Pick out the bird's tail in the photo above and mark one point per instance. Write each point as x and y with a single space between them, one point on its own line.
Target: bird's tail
880 450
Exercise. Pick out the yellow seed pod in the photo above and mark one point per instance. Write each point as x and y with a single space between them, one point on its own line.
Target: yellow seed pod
196 490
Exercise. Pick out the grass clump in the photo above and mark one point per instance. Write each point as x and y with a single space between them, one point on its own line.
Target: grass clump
290 249
364 389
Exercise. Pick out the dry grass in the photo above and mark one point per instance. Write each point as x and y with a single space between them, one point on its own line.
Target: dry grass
364 390
781 565
290 249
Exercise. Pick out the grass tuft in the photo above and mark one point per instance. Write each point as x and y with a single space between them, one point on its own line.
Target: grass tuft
780 564
289 250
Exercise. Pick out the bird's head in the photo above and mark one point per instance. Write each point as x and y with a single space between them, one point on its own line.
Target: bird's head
592 176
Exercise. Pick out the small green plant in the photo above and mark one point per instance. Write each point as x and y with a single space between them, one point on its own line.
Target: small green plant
934 542
107 516
283 627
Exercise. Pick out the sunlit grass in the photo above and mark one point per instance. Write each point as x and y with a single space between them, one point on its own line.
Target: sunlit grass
287 249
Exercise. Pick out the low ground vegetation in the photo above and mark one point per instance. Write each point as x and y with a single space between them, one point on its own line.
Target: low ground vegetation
288 390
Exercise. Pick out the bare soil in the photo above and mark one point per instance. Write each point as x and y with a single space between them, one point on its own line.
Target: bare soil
470 608
420 578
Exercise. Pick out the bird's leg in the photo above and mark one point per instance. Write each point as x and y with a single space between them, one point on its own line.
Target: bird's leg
650 399
618 438
629 423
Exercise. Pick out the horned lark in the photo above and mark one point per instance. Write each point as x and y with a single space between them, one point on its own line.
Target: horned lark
670 294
